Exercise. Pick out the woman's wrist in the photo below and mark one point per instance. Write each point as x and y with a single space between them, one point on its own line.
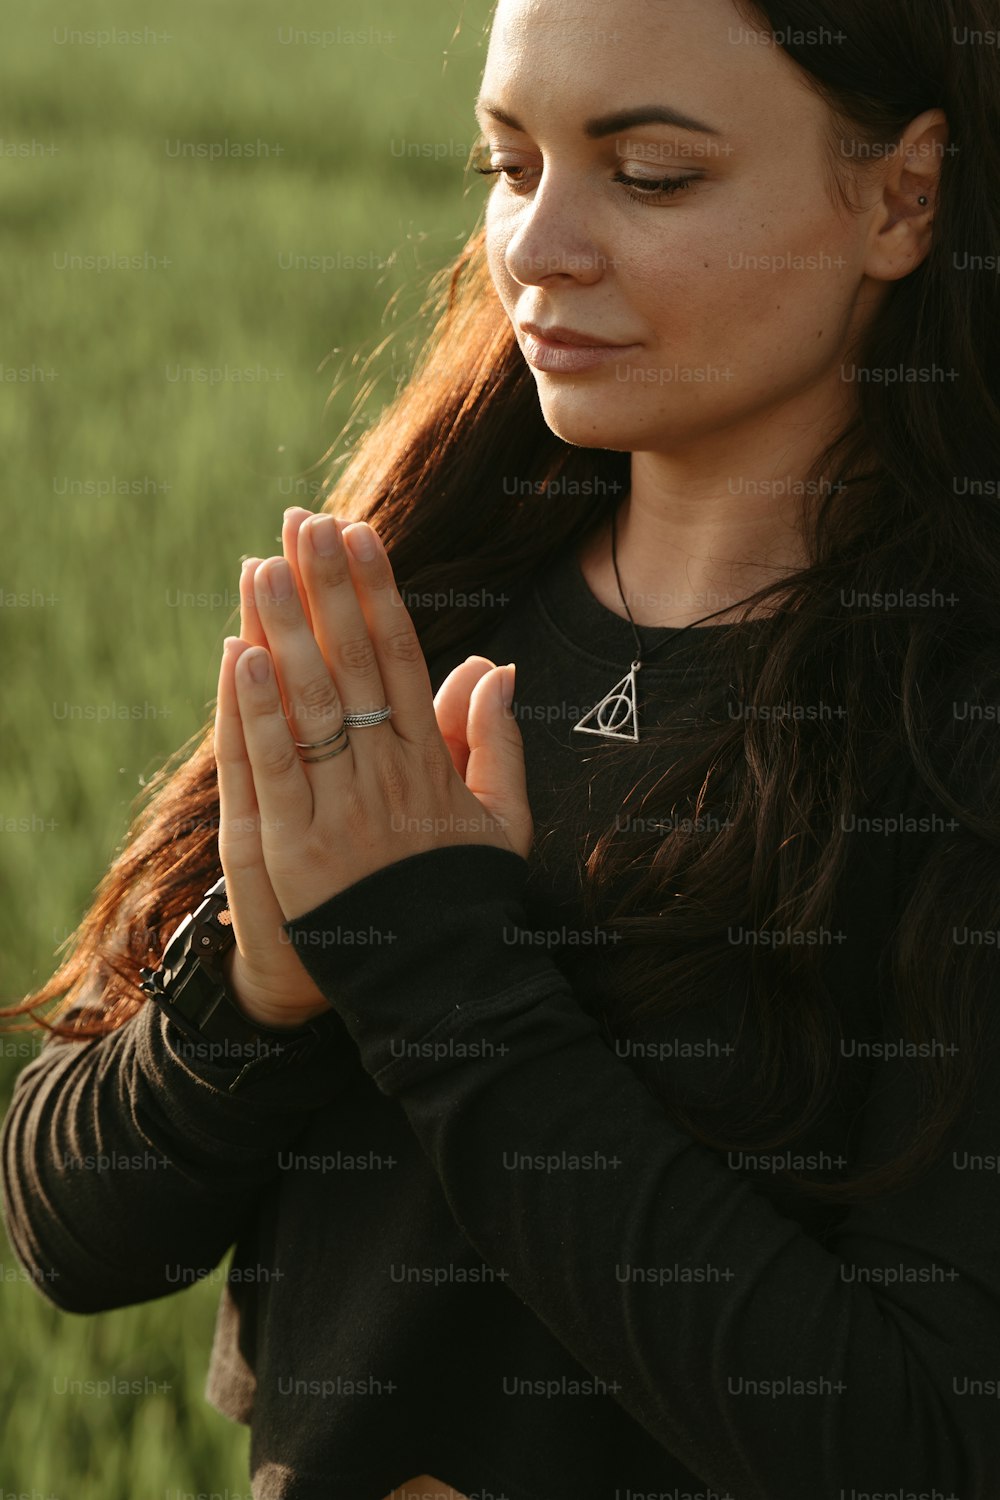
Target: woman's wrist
255 1005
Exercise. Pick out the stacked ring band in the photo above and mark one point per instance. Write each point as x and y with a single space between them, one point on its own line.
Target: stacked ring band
356 721
377 715
305 745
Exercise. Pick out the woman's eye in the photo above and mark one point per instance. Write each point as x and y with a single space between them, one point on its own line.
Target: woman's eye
652 189
642 189
502 171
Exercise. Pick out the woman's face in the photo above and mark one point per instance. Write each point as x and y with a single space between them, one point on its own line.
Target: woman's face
737 292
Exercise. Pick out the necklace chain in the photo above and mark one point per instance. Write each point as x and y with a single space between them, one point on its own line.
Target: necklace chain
617 714
638 644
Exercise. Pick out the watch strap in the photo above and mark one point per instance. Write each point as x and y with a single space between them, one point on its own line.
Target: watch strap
190 989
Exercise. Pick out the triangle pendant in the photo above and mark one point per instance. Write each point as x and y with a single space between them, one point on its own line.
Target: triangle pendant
615 715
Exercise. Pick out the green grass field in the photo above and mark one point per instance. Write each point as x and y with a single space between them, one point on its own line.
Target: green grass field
186 194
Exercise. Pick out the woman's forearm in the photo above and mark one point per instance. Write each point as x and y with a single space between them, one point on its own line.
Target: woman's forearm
123 1164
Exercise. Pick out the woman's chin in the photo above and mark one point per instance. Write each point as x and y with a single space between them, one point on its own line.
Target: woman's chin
585 423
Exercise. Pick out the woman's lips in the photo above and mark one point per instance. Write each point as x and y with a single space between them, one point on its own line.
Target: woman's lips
568 359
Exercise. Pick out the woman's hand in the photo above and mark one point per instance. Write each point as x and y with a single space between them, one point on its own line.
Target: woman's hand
398 787
263 971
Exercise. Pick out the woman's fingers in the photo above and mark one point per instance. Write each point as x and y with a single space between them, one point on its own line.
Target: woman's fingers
451 705
251 630
283 781
251 625
295 517
365 632
257 917
311 702
266 974
248 885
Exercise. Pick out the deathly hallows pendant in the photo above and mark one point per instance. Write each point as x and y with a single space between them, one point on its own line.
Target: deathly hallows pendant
616 717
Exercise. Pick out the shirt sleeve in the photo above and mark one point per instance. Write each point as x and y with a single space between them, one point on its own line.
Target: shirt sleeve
127 1168
866 1362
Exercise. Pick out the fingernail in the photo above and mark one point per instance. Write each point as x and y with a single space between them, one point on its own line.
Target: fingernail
279 580
323 535
507 684
258 665
361 540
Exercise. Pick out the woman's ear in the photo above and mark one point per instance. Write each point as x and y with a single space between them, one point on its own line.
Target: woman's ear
902 224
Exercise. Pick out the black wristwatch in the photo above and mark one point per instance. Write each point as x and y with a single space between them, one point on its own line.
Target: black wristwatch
190 987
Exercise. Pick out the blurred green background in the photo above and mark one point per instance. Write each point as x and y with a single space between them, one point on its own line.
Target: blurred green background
139 471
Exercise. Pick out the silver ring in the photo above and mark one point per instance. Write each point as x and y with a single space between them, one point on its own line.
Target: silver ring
377 716
309 759
318 744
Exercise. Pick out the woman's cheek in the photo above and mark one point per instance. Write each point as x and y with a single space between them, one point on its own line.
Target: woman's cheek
497 240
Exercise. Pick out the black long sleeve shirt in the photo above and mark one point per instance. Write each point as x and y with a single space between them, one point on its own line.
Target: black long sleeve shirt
469 1241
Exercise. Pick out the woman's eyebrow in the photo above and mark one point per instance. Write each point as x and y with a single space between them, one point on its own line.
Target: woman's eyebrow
614 124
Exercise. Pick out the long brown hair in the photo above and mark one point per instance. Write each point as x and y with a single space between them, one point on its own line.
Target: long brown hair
888 514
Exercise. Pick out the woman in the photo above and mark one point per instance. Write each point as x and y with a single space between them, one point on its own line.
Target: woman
662 1001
